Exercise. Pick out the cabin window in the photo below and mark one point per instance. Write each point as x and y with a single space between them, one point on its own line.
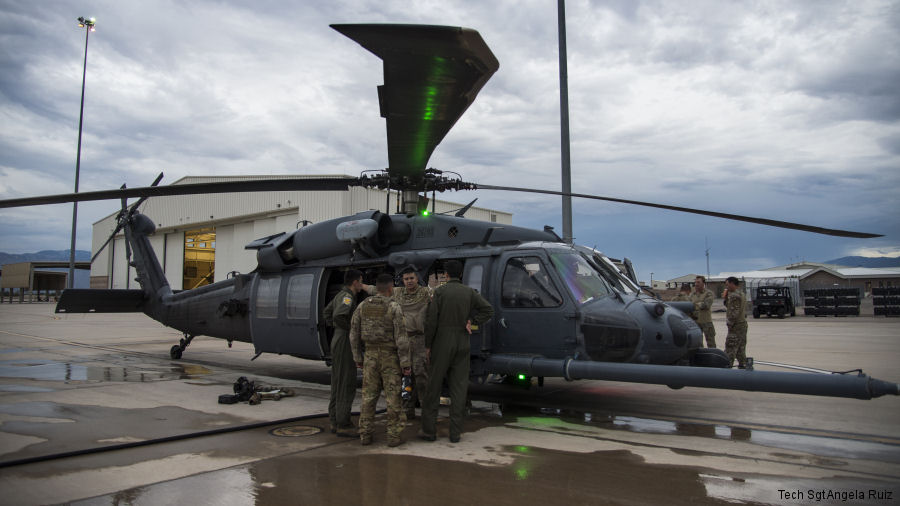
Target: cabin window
473 277
267 297
299 296
526 284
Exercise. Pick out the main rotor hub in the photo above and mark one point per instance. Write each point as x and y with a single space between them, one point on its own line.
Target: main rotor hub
433 180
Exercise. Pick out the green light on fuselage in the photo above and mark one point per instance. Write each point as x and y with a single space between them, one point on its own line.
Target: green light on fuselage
521 377
425 212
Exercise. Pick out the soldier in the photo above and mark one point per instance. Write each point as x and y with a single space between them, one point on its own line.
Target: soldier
683 295
736 318
702 298
343 372
413 299
378 322
447 329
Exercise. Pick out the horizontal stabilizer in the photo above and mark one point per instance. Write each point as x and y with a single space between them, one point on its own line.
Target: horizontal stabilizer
100 301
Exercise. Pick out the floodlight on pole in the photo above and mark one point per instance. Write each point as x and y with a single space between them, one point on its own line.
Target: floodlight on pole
88 25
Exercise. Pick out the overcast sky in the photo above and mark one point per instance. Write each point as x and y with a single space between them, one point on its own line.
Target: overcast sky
782 110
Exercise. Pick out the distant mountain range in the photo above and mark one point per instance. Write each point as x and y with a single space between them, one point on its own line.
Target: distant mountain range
871 262
44 256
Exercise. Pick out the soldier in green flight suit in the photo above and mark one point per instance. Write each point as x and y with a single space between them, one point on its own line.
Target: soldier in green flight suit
378 322
338 313
447 329
736 318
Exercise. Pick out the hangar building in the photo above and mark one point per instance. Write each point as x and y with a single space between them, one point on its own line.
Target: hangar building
200 239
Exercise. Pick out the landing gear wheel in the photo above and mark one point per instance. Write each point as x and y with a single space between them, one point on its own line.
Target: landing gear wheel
175 352
780 312
756 312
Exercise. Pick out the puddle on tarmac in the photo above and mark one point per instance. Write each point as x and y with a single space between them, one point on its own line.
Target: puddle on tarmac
24 389
536 476
838 447
61 371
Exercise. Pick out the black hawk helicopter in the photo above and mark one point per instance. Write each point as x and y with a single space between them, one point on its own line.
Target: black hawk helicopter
562 310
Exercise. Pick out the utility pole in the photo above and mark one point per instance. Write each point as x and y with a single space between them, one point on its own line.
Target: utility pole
564 123
707 257
88 25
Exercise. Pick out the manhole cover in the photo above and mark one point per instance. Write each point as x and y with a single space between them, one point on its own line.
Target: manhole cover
295 431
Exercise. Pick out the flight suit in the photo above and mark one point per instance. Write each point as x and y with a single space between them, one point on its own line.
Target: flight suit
736 318
414 306
703 302
343 371
378 322
448 340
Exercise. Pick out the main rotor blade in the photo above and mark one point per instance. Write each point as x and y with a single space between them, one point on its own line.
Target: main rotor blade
431 76
727 216
264 185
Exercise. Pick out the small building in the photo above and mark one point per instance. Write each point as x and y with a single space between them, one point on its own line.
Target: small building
28 280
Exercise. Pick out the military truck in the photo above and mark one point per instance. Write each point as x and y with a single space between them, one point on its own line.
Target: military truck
773 300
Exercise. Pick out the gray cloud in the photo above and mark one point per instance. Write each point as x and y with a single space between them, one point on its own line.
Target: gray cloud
784 110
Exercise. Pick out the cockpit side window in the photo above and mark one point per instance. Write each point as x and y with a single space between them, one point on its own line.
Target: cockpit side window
581 278
527 284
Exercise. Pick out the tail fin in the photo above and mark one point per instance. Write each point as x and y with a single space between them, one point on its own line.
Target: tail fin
150 273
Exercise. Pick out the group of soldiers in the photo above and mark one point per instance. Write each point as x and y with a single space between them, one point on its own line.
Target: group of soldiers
735 315
410 331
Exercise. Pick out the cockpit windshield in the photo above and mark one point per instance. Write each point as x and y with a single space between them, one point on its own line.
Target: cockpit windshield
581 278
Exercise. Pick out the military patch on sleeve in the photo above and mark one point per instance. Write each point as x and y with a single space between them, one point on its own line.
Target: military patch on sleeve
346 301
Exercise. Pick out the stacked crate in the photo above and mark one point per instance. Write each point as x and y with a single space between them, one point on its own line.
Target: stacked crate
886 301
831 302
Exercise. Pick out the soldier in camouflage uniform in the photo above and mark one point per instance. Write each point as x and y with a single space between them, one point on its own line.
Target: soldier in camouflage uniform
413 299
702 298
736 318
378 322
683 295
447 329
337 314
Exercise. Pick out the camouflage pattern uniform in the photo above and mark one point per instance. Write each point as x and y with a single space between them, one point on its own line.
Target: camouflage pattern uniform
736 318
702 314
446 337
414 306
343 371
681 297
378 322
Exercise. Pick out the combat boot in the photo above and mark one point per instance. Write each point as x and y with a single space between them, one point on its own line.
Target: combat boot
426 437
365 439
348 431
395 441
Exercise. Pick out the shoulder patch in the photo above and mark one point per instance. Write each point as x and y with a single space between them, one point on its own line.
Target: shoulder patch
346 301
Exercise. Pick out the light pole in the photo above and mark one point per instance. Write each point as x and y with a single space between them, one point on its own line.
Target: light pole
651 281
88 25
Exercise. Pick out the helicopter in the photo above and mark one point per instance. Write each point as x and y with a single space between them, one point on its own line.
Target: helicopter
561 309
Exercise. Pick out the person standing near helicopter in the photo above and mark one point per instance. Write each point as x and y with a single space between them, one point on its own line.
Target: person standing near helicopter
413 299
338 313
736 318
447 329
378 322
702 298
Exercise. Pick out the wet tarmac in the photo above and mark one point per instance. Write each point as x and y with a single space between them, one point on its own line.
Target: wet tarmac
95 382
